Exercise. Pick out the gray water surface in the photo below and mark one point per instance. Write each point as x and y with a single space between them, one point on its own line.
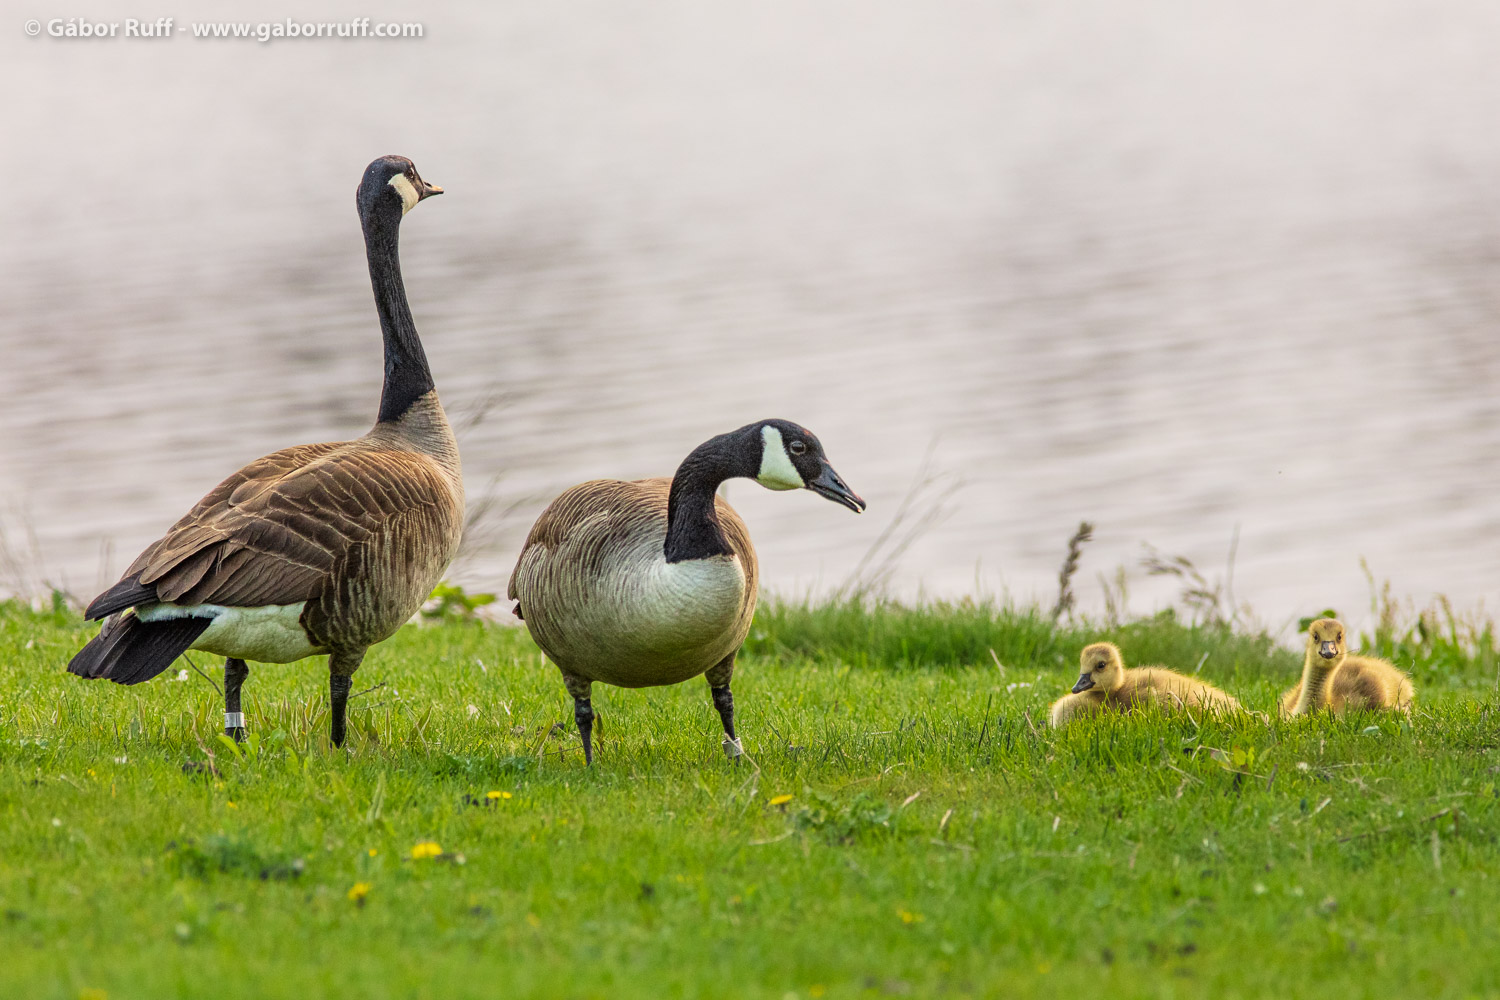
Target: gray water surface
1170 269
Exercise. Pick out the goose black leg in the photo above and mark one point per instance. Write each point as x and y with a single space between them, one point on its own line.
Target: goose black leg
341 667
724 702
718 677
235 672
338 696
581 688
583 714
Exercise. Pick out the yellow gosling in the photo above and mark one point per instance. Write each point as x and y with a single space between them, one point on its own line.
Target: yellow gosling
1105 685
1331 678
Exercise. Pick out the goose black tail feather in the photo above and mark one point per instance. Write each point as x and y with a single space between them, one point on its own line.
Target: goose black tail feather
128 650
125 594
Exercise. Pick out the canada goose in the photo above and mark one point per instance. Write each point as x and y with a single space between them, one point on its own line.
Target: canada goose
321 548
1105 684
652 582
1333 679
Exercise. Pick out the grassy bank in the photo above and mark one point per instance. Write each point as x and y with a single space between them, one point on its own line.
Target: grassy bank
905 827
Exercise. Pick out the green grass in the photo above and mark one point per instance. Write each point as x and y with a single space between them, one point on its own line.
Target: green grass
935 842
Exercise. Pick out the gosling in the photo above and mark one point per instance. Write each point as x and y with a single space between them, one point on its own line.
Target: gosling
1331 678
1105 685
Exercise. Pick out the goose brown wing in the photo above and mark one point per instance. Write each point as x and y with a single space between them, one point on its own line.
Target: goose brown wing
595 519
276 531
589 520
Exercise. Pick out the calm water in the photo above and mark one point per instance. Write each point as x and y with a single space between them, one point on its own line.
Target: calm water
1171 270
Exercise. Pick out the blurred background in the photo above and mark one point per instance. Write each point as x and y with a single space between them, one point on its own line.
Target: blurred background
1187 271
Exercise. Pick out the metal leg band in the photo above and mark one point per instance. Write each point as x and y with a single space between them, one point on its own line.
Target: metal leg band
234 720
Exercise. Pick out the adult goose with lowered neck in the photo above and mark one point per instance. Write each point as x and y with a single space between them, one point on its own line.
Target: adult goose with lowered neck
653 582
320 548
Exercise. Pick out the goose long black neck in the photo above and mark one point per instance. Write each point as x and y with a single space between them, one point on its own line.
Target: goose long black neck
407 377
693 530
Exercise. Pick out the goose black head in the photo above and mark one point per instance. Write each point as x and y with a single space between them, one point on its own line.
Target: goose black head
1100 666
1326 638
392 187
791 458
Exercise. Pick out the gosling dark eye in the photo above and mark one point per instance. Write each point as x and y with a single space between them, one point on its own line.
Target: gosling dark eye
796 447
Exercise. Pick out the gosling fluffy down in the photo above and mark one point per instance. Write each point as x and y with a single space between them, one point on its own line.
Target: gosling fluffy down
1333 679
1105 685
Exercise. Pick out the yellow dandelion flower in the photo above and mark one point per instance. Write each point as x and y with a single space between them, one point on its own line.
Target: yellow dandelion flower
91 772
373 852
908 917
358 891
780 800
426 849
497 795
533 920
230 804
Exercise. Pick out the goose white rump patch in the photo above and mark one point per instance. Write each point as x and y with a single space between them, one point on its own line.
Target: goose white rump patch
270 634
776 470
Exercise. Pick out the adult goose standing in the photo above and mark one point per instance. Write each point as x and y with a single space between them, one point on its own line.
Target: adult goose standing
321 548
653 582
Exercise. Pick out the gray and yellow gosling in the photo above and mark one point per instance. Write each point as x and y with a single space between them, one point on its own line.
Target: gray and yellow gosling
1333 679
1104 684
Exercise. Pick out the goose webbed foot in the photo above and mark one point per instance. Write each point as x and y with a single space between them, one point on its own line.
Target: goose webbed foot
724 702
235 672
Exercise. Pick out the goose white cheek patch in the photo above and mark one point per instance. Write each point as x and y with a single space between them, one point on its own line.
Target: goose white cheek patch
407 191
776 470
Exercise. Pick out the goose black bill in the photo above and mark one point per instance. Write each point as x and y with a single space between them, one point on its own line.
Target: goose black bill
828 484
